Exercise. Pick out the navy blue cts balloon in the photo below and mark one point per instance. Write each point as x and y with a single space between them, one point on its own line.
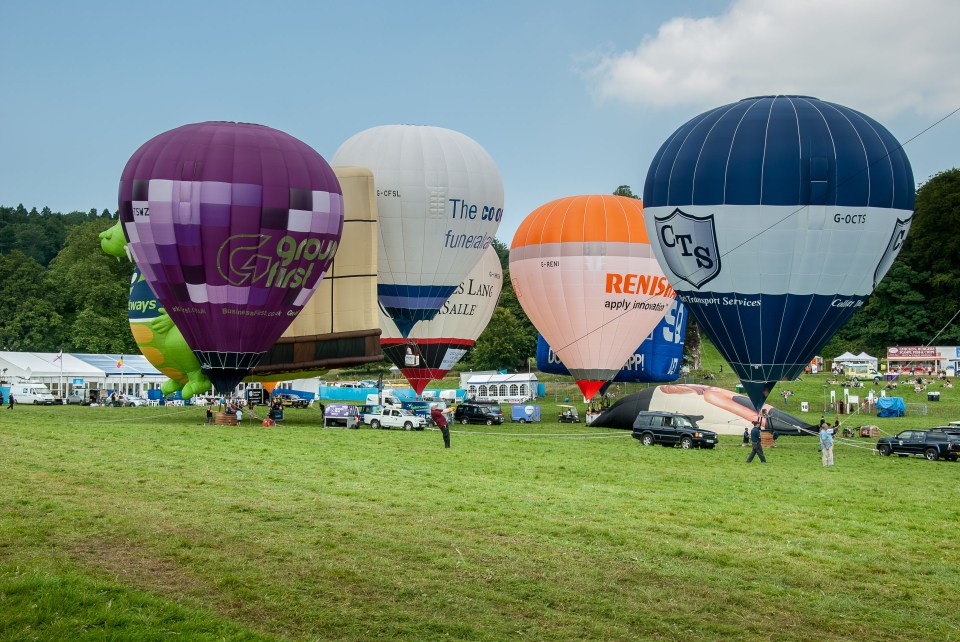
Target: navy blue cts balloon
774 218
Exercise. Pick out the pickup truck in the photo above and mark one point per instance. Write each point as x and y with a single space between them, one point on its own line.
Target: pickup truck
932 444
394 418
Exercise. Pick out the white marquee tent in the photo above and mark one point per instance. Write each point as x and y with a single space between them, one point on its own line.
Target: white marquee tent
135 375
850 359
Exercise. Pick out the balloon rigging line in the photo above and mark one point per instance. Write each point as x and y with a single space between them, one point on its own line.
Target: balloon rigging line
790 215
574 435
942 329
142 417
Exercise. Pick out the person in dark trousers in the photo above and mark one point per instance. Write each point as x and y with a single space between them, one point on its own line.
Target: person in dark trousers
757 446
10 407
438 418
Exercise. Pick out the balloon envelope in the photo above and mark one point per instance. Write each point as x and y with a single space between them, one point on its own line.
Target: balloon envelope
774 218
440 201
585 274
657 359
233 226
717 409
434 347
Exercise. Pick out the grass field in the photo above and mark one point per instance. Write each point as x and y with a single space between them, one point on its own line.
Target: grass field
143 524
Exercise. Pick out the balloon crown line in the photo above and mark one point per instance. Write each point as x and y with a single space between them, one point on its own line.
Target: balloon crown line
761 97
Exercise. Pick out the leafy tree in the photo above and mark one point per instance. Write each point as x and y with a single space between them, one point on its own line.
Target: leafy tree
624 190
907 323
502 344
525 334
100 332
84 277
503 253
29 321
92 291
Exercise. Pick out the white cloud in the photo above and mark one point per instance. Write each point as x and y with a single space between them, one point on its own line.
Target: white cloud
883 57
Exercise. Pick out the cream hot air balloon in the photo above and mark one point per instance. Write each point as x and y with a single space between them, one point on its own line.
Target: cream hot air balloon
440 201
586 276
434 347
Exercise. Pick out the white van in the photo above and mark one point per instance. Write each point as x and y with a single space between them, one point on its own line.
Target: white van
373 399
34 393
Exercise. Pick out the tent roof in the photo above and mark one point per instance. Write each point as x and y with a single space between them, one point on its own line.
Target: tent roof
46 365
43 364
844 356
481 379
133 364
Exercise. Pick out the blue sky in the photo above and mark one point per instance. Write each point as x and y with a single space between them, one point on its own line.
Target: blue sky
568 97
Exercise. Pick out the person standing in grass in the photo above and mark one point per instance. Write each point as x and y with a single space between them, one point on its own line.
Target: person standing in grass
12 401
438 418
755 441
826 444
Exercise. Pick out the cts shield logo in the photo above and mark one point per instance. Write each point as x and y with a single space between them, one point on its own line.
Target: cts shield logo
893 248
689 245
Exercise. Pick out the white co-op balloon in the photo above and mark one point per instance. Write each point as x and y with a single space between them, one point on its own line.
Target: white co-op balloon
440 201
586 276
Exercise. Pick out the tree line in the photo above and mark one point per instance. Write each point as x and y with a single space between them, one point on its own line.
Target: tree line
58 290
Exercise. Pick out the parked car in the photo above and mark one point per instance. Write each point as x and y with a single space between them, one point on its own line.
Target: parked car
292 401
670 429
128 401
474 413
932 444
81 396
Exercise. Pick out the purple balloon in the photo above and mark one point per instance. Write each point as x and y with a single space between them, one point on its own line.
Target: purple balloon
233 225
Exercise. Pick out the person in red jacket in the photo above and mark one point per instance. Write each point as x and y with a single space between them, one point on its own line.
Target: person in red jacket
438 418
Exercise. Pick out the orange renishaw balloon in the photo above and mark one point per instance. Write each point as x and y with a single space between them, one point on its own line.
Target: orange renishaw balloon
585 273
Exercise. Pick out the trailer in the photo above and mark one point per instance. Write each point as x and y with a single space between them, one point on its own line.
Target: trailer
524 412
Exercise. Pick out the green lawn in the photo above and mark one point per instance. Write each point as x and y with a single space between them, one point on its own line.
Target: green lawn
141 523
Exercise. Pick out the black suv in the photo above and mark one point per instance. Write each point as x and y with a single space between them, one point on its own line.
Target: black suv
932 444
670 429
474 413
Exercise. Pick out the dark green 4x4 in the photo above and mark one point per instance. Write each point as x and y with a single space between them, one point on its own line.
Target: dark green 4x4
477 413
671 429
